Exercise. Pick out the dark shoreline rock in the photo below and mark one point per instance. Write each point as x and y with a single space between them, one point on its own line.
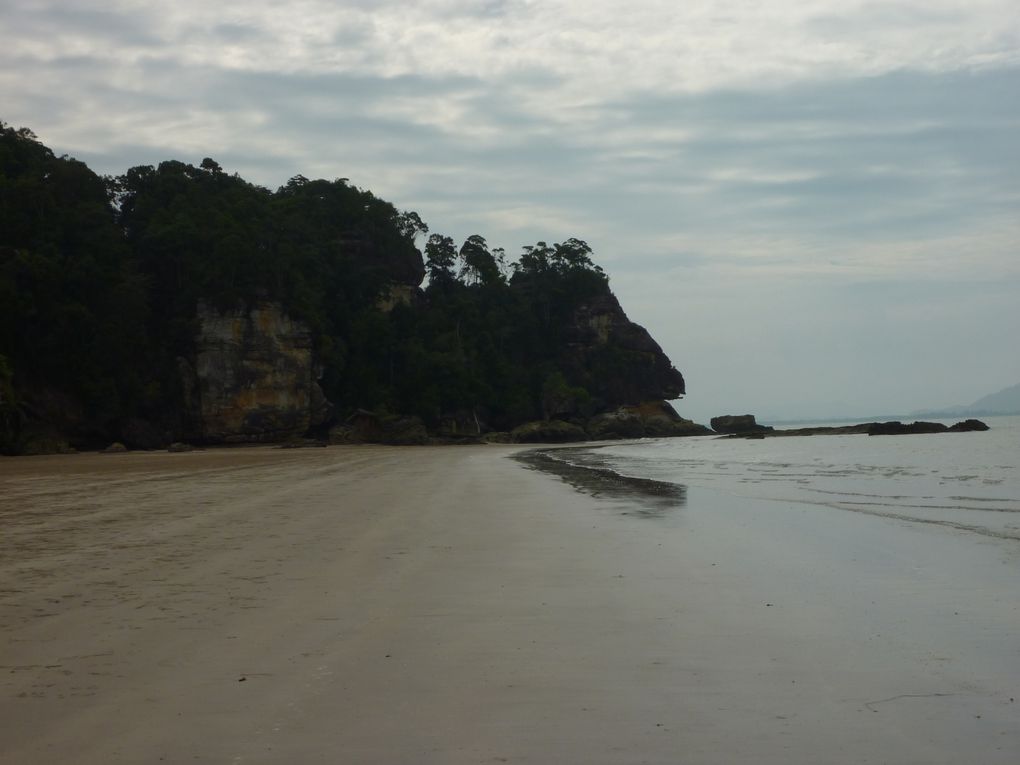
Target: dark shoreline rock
968 426
367 427
736 424
650 419
896 428
837 430
547 432
893 428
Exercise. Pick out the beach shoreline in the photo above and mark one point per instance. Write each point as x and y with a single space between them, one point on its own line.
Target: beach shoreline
412 604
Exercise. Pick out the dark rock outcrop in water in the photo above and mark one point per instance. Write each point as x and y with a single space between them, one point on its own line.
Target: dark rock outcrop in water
738 424
893 428
968 426
896 428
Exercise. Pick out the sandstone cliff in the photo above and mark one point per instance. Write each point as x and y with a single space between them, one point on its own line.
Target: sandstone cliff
253 378
617 360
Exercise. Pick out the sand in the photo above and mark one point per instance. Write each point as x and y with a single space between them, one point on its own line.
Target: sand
449 605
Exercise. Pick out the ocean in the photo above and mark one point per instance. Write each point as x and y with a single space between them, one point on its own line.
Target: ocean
965 481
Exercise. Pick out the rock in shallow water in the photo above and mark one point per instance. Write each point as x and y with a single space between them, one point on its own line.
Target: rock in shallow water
897 428
966 426
738 423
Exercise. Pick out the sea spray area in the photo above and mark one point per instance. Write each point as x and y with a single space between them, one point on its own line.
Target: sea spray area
966 481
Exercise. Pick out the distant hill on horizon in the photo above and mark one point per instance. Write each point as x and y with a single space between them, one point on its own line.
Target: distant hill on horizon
1005 401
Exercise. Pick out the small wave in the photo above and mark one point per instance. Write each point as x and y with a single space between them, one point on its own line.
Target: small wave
1007 533
874 496
984 499
935 507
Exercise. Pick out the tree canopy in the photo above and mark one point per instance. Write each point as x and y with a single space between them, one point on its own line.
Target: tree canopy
100 279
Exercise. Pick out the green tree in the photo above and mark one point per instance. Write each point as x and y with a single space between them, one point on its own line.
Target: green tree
479 265
72 305
440 258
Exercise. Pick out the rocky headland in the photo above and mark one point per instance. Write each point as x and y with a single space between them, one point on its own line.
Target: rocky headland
181 305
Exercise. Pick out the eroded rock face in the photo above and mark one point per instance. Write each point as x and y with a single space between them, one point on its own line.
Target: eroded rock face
364 427
254 376
660 419
619 423
650 419
617 360
547 432
399 294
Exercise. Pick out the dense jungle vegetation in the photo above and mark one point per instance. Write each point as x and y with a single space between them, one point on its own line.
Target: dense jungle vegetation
100 278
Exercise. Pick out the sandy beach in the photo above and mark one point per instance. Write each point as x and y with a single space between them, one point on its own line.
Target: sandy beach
450 605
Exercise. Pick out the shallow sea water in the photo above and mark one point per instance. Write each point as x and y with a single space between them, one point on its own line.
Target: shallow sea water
966 481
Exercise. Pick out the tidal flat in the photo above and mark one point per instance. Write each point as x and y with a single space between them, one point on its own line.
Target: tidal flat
450 605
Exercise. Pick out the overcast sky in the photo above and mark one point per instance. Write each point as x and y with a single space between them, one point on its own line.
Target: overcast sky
813 205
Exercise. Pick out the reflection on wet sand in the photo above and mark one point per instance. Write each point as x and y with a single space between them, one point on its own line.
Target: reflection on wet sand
643 497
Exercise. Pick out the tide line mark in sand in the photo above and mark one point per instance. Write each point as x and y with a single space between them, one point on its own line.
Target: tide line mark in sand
864 508
872 704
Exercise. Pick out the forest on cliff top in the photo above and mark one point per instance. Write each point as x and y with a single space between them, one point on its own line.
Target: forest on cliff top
100 278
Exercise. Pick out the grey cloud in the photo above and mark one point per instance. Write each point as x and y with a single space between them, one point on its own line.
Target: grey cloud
58 20
871 16
865 144
498 8
855 159
352 34
236 33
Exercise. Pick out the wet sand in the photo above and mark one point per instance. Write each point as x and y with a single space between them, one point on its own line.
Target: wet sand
450 605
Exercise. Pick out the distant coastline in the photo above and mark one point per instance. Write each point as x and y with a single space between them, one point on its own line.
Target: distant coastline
1003 403
941 414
